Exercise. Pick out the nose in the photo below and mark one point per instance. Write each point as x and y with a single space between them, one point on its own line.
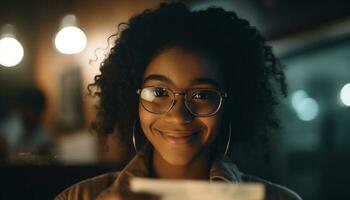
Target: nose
179 114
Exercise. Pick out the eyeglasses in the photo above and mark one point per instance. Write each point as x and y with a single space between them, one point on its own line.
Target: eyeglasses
199 102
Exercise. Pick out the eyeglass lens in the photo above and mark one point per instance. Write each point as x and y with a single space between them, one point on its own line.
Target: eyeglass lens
199 101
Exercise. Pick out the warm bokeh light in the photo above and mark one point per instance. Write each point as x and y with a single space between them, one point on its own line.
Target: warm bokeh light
70 40
345 95
11 52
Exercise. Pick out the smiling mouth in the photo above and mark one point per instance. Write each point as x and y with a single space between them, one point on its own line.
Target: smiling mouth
178 137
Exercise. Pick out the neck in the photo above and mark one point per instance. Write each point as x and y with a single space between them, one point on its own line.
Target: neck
196 169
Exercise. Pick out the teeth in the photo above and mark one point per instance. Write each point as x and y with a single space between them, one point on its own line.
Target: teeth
180 136
176 139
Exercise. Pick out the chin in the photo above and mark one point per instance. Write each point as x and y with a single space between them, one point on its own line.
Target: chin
179 158
176 160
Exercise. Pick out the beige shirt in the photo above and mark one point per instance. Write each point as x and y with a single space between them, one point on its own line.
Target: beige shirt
221 170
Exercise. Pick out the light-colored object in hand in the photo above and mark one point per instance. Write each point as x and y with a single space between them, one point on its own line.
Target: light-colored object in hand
198 190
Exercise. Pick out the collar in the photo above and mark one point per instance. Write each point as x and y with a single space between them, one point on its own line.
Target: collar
222 169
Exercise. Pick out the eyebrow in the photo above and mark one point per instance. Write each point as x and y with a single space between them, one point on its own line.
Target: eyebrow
158 77
205 81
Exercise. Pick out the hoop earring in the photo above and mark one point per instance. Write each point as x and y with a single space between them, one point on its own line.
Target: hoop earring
133 136
229 140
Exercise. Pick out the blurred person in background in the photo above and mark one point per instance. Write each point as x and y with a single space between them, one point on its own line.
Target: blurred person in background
3 150
189 88
8 126
22 127
4 113
30 107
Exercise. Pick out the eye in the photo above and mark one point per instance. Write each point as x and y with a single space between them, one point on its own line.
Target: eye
160 92
203 95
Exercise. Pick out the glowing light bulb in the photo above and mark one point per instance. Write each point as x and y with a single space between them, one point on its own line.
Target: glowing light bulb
11 52
70 40
307 109
298 97
345 95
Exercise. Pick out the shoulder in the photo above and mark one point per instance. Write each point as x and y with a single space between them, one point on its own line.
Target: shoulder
273 191
89 188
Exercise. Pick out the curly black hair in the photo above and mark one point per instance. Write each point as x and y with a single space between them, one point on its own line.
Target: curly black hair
250 68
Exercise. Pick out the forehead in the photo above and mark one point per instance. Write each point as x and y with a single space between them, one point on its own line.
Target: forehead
182 67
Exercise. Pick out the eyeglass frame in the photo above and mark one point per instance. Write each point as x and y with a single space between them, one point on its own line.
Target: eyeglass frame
222 97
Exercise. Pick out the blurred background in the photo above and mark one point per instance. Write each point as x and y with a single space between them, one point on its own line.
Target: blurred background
51 50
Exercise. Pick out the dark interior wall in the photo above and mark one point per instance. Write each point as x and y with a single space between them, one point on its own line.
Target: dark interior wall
284 17
280 18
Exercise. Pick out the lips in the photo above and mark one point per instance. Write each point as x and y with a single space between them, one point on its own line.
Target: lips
179 137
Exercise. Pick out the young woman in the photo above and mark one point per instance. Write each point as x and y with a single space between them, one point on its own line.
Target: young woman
187 87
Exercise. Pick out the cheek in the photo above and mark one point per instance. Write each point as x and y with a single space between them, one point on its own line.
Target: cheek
146 119
213 125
